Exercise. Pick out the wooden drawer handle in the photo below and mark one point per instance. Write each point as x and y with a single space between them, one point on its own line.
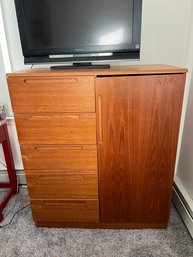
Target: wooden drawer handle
47 202
100 134
49 81
52 116
58 148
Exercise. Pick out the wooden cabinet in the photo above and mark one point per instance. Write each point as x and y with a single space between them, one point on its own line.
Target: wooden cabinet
56 125
99 146
140 117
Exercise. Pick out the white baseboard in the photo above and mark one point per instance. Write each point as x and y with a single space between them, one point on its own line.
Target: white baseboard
20 176
183 209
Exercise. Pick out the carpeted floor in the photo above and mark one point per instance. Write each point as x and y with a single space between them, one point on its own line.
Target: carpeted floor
22 239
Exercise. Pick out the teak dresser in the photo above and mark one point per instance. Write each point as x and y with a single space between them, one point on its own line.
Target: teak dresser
99 146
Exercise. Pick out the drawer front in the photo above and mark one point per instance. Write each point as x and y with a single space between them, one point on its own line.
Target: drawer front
66 210
56 129
41 95
62 186
63 158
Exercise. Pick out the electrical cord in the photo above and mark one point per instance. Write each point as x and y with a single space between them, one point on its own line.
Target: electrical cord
24 207
16 196
3 164
15 200
12 208
14 203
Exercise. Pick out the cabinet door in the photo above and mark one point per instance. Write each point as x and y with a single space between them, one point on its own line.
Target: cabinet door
138 121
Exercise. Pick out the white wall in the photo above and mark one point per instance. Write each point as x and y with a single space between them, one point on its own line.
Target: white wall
5 66
165 27
12 34
4 99
164 32
185 165
4 45
4 93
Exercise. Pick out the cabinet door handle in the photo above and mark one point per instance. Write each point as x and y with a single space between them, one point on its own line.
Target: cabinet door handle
100 132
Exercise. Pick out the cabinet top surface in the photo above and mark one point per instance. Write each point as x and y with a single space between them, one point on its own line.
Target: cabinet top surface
119 70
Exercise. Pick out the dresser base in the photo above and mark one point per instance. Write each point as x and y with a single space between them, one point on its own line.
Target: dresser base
100 225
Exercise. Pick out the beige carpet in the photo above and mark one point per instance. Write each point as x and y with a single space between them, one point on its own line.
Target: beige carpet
22 239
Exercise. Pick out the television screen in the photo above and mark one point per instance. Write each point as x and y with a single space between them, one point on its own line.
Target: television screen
50 27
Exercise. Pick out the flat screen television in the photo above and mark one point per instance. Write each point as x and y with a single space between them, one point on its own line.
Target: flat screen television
79 30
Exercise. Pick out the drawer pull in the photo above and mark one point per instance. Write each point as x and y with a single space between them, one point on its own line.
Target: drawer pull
65 81
100 119
53 116
56 202
43 148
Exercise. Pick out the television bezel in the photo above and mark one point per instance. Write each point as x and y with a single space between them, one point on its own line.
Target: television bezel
119 51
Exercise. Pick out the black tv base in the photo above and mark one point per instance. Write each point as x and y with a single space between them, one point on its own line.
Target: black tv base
84 65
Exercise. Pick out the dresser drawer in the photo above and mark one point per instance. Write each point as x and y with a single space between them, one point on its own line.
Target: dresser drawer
56 129
66 210
60 158
62 186
45 95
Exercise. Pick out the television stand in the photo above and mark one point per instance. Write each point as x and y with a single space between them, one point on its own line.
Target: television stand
83 65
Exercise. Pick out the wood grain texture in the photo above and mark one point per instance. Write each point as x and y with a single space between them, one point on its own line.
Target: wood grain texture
66 210
137 127
119 70
62 186
66 158
43 95
56 129
140 122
